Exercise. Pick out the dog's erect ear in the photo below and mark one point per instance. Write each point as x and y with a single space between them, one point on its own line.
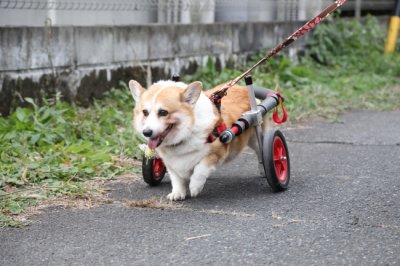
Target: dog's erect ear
192 92
136 90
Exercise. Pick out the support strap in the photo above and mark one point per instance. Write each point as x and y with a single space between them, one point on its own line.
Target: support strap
216 132
275 114
216 100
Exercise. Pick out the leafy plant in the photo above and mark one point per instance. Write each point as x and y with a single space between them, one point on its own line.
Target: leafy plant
59 143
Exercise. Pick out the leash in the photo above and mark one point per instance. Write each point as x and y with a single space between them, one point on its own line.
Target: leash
217 96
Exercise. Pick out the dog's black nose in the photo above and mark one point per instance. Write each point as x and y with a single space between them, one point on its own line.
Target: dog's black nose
147 132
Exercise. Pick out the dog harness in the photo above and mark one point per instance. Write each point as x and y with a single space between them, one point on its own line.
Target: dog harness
216 132
219 128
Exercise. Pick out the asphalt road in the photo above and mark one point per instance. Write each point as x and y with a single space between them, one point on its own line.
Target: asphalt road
342 208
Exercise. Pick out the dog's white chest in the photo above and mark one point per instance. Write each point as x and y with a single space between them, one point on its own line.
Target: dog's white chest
184 158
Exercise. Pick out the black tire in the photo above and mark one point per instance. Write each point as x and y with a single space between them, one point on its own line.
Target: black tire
277 170
153 170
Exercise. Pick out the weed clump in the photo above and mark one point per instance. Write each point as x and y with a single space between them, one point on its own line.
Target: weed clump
47 150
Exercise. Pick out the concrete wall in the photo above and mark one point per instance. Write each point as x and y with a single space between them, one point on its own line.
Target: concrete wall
138 12
37 13
83 62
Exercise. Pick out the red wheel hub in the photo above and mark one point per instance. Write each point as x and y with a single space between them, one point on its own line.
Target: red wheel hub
280 159
158 168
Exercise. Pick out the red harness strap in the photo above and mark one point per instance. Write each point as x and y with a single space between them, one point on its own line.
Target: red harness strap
221 127
216 132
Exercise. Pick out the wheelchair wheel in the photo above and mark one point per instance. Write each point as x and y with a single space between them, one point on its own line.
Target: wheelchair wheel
153 170
276 160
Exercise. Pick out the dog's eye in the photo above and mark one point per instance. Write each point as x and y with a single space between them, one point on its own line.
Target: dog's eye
145 112
162 112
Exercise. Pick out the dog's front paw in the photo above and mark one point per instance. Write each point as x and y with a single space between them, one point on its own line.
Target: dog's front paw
176 195
195 190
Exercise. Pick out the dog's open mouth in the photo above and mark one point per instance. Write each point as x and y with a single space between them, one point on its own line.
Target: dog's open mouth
155 142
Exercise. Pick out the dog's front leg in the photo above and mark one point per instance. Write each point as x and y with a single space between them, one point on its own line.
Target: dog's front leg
178 187
199 177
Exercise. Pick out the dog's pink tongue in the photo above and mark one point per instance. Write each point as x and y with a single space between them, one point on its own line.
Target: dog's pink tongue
153 143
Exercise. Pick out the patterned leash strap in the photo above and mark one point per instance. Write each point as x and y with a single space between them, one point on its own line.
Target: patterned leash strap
300 32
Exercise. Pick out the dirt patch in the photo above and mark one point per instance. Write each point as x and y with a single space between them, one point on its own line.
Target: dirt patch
95 197
98 194
164 204
155 203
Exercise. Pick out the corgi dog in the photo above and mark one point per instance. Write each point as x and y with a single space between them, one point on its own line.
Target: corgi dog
176 119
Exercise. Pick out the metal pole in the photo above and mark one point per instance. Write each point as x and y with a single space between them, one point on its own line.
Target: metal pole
358 9
393 33
250 91
254 111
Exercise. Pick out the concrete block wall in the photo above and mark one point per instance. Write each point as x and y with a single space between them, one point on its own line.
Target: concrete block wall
83 62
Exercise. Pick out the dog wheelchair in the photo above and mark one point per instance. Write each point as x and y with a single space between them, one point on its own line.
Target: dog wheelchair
272 154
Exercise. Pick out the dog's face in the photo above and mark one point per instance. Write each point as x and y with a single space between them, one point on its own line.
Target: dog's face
164 113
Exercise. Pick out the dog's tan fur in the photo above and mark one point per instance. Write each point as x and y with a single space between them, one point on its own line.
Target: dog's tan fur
187 155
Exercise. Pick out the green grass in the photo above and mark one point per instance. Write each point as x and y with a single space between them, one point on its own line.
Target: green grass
48 151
